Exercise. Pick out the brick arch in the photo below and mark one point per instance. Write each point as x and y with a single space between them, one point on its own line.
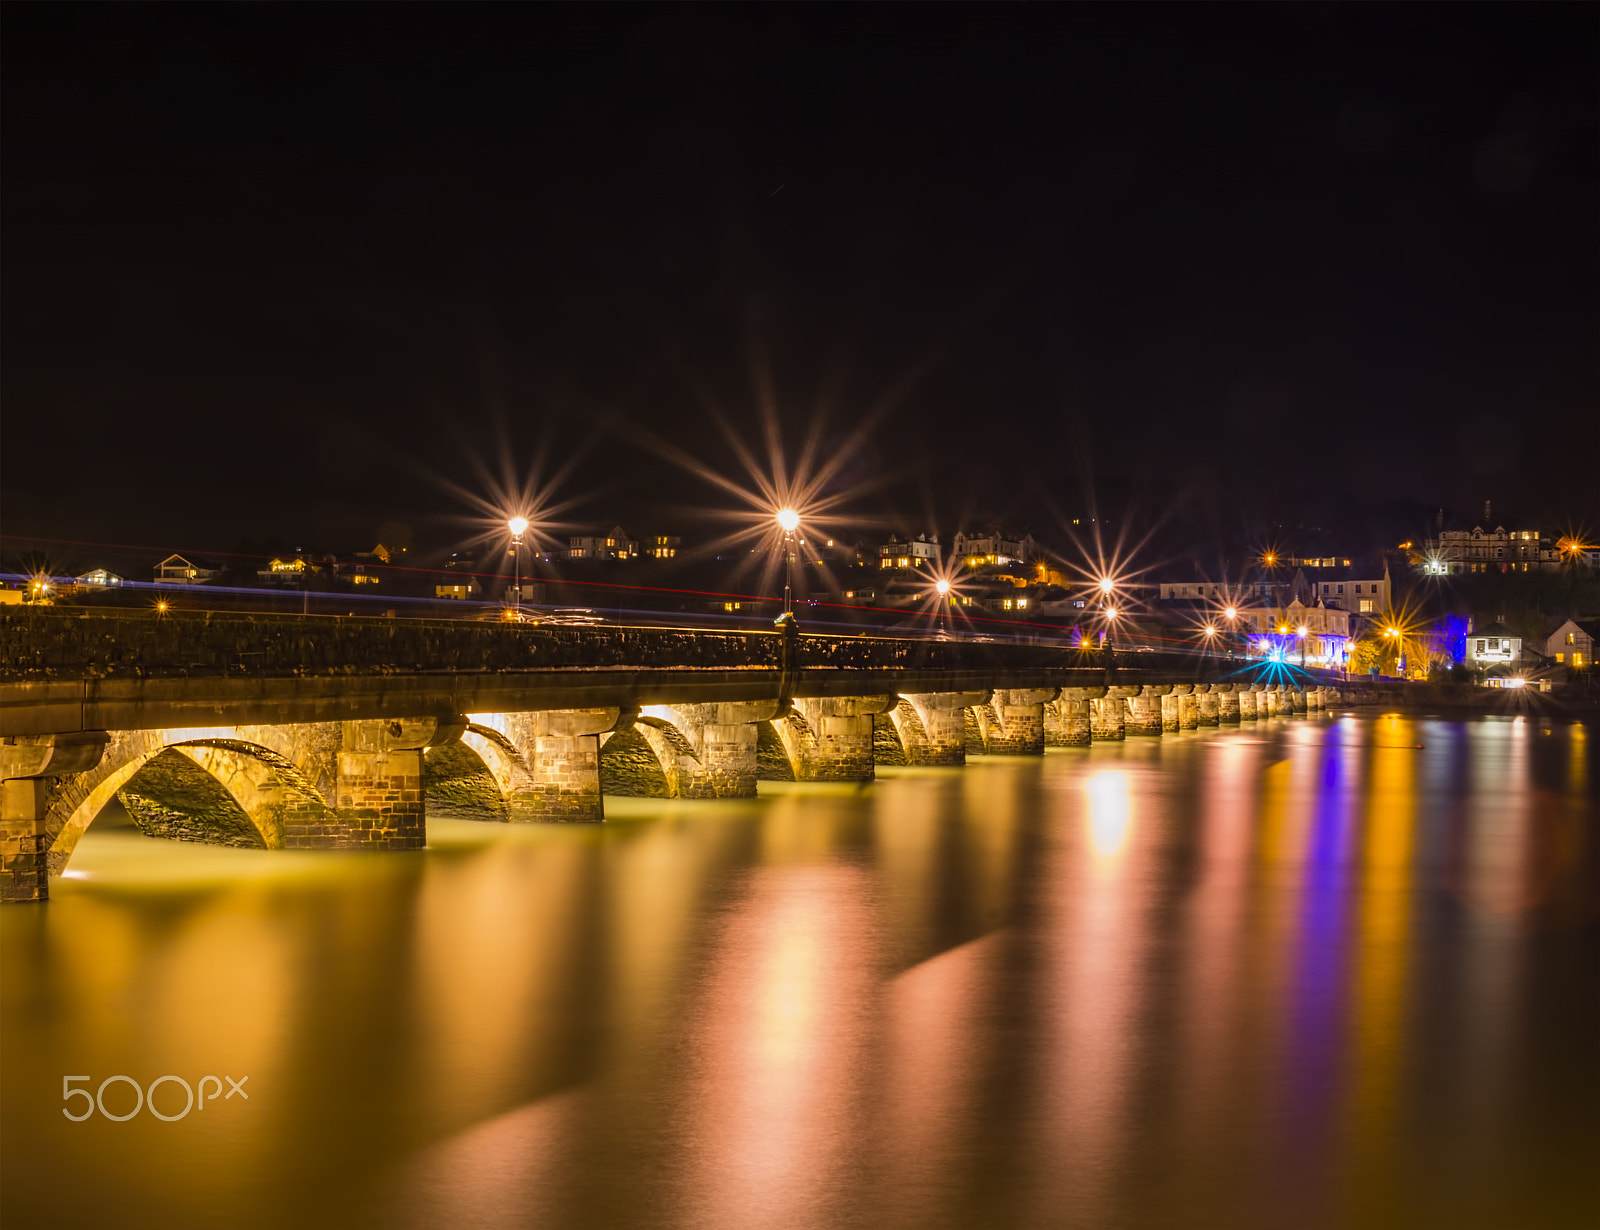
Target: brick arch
264 798
631 762
249 766
797 738
478 777
773 762
898 734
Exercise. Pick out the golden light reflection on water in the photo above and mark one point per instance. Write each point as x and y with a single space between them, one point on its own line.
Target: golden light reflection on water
1309 974
778 1051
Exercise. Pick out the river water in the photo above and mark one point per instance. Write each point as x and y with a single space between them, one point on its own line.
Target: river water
1327 972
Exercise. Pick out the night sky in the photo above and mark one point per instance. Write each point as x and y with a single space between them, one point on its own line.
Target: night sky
284 272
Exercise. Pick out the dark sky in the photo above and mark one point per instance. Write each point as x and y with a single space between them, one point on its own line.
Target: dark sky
277 271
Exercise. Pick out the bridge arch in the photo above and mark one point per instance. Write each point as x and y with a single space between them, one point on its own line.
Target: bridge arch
481 776
795 736
649 758
228 790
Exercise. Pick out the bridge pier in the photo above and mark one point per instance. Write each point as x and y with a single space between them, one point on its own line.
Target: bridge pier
1067 720
1145 710
25 838
832 739
1012 723
378 793
1189 706
1273 698
718 758
1208 702
933 726
1227 696
1249 700
1108 717
1297 702
560 751
31 770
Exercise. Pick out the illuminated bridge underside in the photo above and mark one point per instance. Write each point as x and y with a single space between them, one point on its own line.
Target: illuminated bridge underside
289 752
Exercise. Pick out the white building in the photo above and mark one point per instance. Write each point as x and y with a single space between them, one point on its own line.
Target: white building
100 578
1361 589
1493 646
923 552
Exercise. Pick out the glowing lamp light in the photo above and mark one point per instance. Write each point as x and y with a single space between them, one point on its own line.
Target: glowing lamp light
1301 630
518 526
1107 585
1232 613
162 607
788 520
1111 612
942 586
1210 631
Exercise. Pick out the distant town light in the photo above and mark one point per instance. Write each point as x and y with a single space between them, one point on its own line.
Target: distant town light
788 520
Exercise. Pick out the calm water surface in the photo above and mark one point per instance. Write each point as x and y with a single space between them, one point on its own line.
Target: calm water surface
1322 973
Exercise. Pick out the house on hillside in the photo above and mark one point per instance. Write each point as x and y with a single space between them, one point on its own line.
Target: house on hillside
1572 644
922 552
1494 646
176 570
1362 588
613 544
1490 546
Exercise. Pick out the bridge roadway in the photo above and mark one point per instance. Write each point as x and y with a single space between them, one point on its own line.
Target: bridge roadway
327 732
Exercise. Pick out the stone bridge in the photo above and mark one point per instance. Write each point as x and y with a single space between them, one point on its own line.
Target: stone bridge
331 733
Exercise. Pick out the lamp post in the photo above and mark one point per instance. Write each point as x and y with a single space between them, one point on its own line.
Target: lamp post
1399 651
943 588
788 522
1211 638
518 527
1302 632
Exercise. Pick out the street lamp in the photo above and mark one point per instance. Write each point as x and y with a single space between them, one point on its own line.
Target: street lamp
788 522
1399 651
518 527
1211 636
1302 634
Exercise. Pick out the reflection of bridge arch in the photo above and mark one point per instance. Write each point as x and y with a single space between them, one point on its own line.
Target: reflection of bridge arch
255 788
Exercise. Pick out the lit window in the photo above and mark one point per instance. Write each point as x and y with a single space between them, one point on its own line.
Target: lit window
1561 657
1022 604
1577 659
